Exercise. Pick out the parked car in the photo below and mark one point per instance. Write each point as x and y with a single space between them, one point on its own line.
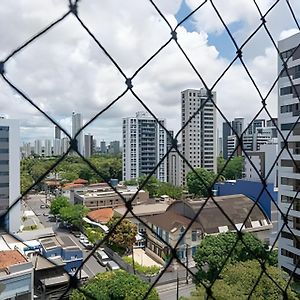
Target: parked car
82 237
87 244
102 257
42 206
112 266
77 234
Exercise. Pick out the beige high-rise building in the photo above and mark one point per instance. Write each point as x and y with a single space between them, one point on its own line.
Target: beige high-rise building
199 137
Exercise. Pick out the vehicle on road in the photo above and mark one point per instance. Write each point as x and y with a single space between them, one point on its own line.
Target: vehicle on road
102 257
45 215
87 244
42 206
112 266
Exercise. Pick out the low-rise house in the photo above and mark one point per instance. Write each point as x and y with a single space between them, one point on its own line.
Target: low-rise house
142 211
94 198
62 250
50 280
171 225
16 276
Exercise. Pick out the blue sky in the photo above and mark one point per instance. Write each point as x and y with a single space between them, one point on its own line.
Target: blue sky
221 41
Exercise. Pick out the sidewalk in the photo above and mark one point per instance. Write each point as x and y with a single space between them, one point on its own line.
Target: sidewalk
143 259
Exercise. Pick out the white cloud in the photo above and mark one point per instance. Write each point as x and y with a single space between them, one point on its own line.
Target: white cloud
65 71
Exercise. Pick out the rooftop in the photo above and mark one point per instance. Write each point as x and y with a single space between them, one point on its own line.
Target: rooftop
49 243
11 257
170 221
102 215
66 241
213 220
143 209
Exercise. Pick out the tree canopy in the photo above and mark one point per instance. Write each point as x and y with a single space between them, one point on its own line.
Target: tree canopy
237 281
197 186
73 214
57 203
157 188
124 234
71 168
114 285
213 250
234 168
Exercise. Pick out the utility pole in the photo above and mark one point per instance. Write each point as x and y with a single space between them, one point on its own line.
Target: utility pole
187 264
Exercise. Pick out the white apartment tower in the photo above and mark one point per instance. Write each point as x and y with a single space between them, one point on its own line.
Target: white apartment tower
76 125
48 148
10 173
199 137
38 147
144 144
288 172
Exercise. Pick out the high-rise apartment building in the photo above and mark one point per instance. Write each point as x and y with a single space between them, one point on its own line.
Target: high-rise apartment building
199 141
76 125
88 145
10 174
57 133
26 150
257 123
144 144
103 148
48 148
114 147
37 147
226 133
238 125
65 144
288 172
57 147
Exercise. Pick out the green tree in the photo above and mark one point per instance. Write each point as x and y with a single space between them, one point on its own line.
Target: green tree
124 234
73 214
213 250
118 285
165 188
57 203
197 186
237 281
151 185
94 235
26 181
233 169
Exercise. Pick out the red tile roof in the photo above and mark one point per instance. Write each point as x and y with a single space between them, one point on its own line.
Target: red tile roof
11 257
102 215
72 185
80 181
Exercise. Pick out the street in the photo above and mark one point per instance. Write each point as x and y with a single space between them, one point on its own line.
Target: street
92 267
34 202
169 291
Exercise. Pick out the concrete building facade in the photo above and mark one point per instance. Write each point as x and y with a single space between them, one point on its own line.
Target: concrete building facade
199 137
288 171
10 173
144 144
88 145
76 125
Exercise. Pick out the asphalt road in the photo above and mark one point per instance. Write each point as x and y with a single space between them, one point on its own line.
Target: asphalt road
169 291
34 202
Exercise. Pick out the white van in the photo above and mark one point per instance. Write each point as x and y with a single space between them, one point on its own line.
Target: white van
112 266
102 257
